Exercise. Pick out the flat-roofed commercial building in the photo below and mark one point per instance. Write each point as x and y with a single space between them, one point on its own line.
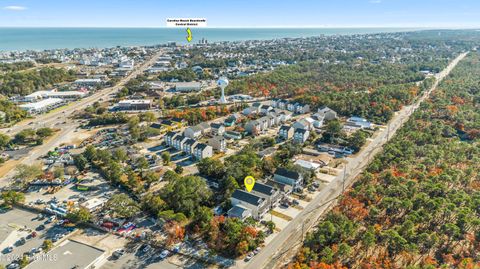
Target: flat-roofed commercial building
42 105
70 254
188 86
135 104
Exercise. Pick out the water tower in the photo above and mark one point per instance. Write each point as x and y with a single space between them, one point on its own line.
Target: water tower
223 83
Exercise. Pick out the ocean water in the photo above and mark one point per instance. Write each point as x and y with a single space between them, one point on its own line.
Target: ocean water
21 39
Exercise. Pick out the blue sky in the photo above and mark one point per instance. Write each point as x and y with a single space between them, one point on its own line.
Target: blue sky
242 13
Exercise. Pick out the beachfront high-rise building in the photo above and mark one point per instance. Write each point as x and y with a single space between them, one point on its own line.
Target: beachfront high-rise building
223 83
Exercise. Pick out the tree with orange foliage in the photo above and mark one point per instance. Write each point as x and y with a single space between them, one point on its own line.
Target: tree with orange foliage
353 208
175 232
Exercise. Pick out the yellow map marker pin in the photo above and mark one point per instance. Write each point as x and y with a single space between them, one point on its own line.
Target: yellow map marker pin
249 183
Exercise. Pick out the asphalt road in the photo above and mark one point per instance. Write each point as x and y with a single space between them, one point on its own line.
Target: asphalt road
286 243
60 115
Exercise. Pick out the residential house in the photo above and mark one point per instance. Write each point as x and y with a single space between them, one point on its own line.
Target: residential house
268 152
264 123
206 128
286 132
253 127
327 113
309 165
285 189
193 132
217 129
189 145
179 121
170 125
239 212
280 103
178 142
284 116
232 135
169 137
277 119
291 107
230 121
264 109
256 204
271 195
218 143
364 123
249 111
272 120
288 177
317 121
302 108
302 124
300 136
202 151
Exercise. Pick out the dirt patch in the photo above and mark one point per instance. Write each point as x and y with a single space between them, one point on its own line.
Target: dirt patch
280 215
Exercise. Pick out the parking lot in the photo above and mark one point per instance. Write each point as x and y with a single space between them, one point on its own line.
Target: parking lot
17 224
97 188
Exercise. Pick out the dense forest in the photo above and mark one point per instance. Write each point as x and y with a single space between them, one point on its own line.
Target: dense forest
418 203
355 87
26 82
15 66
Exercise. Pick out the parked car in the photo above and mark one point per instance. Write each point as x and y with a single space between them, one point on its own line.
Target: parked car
7 250
118 253
40 227
146 249
13 266
249 257
164 254
256 251
51 219
21 241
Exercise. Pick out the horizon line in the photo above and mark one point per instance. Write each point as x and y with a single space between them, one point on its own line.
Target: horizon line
265 27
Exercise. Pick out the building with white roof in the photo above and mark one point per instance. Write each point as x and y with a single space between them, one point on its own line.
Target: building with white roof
135 104
39 95
42 105
188 86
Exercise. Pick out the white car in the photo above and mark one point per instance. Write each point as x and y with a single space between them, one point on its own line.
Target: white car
249 257
164 254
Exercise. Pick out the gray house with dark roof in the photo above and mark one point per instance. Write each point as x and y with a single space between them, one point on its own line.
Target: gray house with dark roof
285 132
202 150
189 145
217 128
288 177
270 194
169 137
